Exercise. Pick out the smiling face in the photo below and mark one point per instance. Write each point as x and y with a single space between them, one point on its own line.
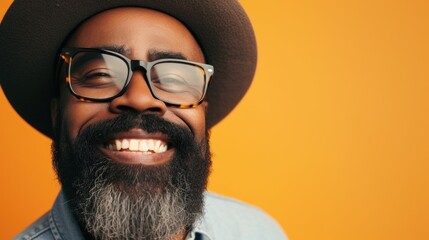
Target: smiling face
139 34
133 150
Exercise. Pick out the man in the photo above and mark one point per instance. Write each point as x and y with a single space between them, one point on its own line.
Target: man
127 91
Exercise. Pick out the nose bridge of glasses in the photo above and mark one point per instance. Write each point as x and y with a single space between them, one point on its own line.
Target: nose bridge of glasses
137 64
142 66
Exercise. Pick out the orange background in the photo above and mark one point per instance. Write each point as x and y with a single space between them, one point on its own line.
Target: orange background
332 139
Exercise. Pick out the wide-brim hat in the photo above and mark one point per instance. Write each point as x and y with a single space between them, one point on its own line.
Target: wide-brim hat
32 33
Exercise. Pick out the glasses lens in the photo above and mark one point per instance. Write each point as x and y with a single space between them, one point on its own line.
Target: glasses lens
178 82
97 75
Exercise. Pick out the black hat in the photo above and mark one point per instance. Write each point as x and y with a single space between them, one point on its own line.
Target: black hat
32 33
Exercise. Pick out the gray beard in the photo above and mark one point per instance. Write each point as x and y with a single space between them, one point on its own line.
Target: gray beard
110 214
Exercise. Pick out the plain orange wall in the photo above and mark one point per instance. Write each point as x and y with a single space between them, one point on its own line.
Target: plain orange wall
332 139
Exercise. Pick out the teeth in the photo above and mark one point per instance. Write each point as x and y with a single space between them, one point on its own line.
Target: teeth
118 145
157 145
146 146
143 146
150 144
125 144
134 145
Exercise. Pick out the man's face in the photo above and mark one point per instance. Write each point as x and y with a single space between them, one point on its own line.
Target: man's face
141 34
101 180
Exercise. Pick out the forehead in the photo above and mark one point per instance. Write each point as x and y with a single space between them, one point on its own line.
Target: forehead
138 30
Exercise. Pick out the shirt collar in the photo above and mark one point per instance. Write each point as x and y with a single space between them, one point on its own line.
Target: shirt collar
62 222
202 230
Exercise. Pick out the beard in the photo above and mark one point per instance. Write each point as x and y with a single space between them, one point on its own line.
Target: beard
111 200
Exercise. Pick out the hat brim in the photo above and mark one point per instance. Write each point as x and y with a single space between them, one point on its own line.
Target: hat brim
32 32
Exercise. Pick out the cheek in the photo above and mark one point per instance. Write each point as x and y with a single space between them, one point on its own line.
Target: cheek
195 119
76 115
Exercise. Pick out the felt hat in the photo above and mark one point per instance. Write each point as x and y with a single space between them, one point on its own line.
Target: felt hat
32 33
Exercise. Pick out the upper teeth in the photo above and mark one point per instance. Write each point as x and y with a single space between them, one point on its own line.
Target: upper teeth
142 145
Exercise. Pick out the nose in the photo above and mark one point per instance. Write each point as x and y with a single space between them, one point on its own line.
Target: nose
138 97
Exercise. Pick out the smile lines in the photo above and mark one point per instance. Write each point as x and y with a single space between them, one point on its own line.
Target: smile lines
147 146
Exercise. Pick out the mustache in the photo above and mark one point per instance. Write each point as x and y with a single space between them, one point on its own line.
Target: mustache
151 123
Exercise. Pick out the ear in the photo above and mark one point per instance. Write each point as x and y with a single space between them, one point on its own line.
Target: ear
54 112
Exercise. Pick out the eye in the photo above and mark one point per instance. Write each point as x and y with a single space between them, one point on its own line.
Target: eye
170 83
96 74
94 78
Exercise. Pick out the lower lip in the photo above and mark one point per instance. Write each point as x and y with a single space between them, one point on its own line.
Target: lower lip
138 158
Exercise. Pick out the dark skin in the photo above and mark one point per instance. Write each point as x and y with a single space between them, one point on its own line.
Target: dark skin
140 34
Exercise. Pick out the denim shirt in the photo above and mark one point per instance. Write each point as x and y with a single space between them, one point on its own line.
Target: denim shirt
223 219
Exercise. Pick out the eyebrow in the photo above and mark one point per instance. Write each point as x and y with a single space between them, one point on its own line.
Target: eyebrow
153 54
159 54
121 49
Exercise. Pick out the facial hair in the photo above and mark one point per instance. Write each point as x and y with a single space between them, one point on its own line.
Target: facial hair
117 201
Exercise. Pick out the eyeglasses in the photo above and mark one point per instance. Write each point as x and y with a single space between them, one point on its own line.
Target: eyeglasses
102 75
